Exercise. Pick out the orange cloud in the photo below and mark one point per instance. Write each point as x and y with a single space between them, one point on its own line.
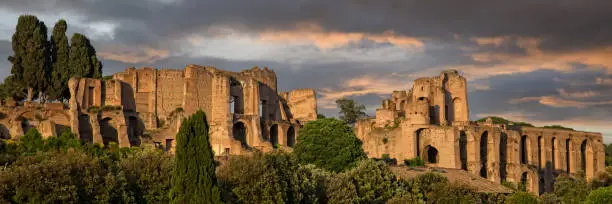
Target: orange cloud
313 33
558 102
581 94
360 86
133 55
496 41
533 60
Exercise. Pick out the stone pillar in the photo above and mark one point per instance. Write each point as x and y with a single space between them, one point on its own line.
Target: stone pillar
95 129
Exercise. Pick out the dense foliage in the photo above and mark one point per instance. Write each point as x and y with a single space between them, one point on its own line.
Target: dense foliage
60 71
350 110
193 176
329 144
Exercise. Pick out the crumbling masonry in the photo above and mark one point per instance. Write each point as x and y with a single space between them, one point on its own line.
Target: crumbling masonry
244 109
431 121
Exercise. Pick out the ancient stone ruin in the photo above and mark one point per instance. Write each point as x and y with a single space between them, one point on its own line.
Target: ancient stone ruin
244 109
431 121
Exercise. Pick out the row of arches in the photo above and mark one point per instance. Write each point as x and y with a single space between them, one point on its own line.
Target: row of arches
239 132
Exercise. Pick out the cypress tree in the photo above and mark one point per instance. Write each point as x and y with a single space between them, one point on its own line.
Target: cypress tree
193 177
60 71
83 60
31 58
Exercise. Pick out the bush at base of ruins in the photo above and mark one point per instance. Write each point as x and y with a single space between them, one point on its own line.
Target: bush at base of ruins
571 189
329 144
601 195
603 178
446 192
521 197
549 198
267 178
414 162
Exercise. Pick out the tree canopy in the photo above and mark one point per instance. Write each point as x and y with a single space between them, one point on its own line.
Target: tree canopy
329 144
350 110
61 72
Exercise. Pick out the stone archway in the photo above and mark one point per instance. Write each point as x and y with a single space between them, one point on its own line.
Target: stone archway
524 149
419 140
463 155
503 156
274 135
85 129
290 136
239 131
135 128
554 155
568 155
484 153
108 131
430 154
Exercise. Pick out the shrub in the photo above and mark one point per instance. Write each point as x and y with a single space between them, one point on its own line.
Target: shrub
427 182
445 192
549 198
329 144
60 177
148 174
31 142
601 195
571 189
414 162
267 178
521 197
603 178
64 141
374 181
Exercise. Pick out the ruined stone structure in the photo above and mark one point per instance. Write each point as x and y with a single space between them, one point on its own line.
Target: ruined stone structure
431 121
244 110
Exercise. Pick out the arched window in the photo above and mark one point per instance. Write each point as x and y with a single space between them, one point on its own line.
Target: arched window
274 135
290 136
524 150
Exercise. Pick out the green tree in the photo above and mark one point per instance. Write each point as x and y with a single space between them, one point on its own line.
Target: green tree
60 70
571 189
350 110
13 88
82 57
329 144
31 54
31 142
521 197
601 195
193 177
374 181
147 173
273 177
608 154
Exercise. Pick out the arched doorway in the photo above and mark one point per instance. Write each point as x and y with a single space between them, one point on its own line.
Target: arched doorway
85 129
239 133
134 130
503 155
524 184
290 136
108 131
523 149
463 150
419 135
484 141
431 154
274 135
540 153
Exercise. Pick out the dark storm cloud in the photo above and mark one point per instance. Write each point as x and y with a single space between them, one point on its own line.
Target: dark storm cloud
565 24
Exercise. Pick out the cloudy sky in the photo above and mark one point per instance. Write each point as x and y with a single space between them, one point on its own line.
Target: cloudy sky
543 61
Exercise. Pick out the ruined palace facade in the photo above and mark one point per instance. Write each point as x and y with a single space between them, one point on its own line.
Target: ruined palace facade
431 121
243 109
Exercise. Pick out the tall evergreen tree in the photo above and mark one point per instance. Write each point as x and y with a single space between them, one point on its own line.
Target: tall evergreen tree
31 58
193 177
60 70
83 60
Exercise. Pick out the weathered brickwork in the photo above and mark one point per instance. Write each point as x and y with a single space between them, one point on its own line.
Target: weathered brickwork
147 105
431 121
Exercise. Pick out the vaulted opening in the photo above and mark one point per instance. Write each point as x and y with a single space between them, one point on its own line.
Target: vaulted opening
239 133
290 136
503 155
274 135
484 141
568 157
523 149
431 154
463 150
108 131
